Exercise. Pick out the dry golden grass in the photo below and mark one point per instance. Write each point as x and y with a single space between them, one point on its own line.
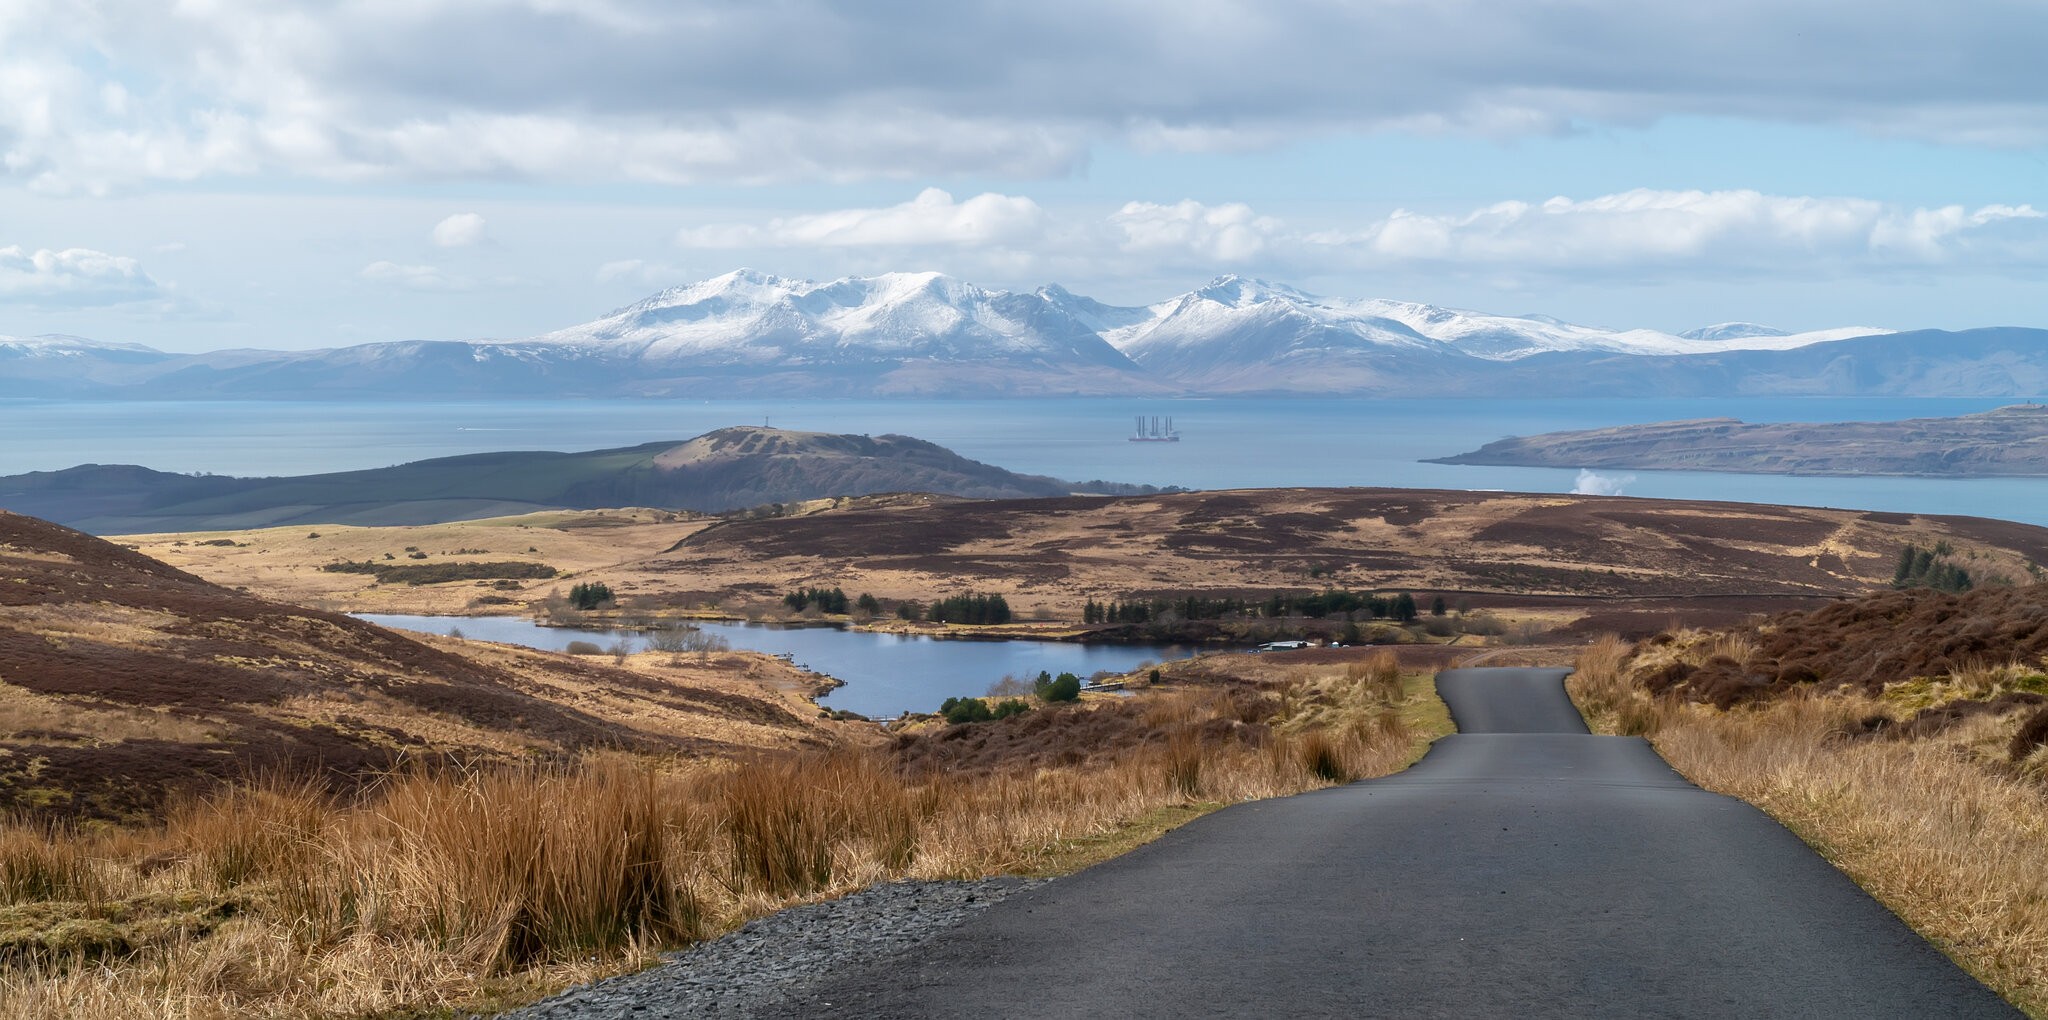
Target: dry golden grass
1954 846
284 563
65 721
456 890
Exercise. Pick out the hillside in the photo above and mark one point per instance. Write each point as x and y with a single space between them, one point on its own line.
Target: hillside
2009 441
728 469
1874 642
123 679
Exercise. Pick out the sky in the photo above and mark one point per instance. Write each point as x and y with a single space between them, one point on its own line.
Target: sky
206 174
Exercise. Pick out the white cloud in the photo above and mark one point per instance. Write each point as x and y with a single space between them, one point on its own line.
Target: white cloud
1645 232
119 91
459 230
1218 233
74 278
932 218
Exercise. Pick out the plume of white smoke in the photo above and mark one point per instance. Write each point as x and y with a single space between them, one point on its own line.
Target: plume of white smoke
1593 483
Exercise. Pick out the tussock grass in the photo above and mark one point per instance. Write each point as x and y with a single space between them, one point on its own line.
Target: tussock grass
1954 843
467 890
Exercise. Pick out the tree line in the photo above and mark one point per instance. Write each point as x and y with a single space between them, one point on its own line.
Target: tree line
1334 602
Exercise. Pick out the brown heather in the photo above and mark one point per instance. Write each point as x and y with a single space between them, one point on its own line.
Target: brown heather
456 890
1934 821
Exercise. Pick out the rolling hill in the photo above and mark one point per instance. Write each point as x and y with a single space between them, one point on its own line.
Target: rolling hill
727 469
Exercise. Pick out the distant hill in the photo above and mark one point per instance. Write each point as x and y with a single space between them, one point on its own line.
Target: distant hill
2009 441
123 679
728 469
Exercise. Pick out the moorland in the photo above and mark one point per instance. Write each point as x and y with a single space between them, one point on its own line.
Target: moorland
1588 563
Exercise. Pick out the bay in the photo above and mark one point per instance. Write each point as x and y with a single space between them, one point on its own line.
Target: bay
885 674
1226 443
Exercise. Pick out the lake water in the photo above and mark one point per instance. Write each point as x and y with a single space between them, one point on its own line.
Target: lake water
1226 443
885 674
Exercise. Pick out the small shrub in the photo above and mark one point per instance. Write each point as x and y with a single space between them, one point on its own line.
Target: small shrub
590 595
584 648
1066 687
1011 706
965 710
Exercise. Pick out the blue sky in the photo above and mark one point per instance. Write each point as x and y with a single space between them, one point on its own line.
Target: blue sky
221 174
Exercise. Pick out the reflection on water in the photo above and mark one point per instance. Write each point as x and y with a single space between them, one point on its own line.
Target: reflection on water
885 674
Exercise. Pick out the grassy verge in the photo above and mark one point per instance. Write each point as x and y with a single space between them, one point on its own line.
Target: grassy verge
1956 847
455 891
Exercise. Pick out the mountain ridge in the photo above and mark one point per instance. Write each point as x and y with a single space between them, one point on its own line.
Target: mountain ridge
748 333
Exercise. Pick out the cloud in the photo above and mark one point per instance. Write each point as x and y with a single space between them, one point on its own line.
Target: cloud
1640 235
932 218
1218 233
641 90
1646 233
74 278
1593 483
459 230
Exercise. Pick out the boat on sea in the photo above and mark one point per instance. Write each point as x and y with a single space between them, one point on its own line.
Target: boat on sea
1154 429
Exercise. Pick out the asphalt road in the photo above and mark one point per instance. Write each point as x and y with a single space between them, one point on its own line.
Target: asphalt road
1523 868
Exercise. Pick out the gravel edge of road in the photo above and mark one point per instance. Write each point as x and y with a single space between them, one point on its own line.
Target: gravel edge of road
775 959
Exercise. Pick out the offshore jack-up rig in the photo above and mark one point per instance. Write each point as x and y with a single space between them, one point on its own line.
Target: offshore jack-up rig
1154 430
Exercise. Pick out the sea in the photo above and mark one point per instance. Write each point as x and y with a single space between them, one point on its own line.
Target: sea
1225 443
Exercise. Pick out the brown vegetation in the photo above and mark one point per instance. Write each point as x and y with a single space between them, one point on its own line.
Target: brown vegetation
1934 659
123 679
464 889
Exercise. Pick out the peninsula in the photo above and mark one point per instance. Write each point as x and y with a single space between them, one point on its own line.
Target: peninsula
2007 441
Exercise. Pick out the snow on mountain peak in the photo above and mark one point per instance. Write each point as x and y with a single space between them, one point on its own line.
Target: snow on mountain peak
751 318
1242 291
1732 331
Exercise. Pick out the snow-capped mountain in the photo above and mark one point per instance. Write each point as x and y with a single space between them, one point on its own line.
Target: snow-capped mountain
1236 322
747 318
926 334
60 346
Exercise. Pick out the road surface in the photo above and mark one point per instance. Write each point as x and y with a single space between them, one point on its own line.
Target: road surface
1522 868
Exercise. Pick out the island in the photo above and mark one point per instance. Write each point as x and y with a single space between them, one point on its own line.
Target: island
2008 441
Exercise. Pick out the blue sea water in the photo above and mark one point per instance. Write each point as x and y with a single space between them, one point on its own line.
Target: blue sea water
1225 442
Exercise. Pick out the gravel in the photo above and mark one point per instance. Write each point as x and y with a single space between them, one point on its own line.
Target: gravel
775 959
